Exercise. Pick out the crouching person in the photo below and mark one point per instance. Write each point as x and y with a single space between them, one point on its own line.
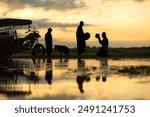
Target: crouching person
104 42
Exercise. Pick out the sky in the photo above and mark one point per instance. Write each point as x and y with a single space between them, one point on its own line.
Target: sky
126 22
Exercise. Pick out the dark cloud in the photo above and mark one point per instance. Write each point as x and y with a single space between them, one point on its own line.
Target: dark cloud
44 23
45 4
139 0
106 1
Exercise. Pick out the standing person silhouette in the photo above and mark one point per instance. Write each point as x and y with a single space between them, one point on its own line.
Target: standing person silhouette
49 42
104 42
80 39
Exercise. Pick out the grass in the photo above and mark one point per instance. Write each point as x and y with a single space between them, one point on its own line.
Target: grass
90 52
23 54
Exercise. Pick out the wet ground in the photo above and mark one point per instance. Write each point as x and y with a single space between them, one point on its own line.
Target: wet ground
85 79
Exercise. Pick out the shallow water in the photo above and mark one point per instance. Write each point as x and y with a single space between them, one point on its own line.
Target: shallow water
85 79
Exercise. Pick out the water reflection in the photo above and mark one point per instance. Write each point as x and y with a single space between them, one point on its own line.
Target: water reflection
68 79
62 63
82 76
9 76
103 70
49 71
31 72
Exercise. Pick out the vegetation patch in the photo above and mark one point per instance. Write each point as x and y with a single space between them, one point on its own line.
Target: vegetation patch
144 70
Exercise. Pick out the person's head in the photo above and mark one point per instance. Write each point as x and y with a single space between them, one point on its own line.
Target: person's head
49 29
97 78
104 79
87 79
104 34
81 23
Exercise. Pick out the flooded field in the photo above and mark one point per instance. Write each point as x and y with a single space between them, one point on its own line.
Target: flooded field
84 79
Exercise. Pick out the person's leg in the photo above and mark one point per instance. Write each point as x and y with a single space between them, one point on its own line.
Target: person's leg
99 52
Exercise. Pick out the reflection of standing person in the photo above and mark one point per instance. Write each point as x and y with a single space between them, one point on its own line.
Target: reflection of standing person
49 71
80 78
104 49
80 81
48 42
80 39
83 76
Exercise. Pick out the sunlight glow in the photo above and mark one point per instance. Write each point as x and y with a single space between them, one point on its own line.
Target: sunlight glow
121 19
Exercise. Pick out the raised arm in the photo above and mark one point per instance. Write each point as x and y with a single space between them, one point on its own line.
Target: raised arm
98 37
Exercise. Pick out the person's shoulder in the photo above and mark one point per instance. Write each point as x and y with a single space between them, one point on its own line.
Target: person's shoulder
78 27
47 33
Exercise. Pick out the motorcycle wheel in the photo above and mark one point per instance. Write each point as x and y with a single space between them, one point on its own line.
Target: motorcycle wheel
38 50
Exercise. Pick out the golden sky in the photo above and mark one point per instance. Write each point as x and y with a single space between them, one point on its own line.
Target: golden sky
126 22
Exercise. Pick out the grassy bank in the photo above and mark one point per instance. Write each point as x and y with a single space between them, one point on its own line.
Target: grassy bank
142 52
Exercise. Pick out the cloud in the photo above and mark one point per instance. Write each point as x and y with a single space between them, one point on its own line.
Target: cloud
45 4
139 0
45 23
113 1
